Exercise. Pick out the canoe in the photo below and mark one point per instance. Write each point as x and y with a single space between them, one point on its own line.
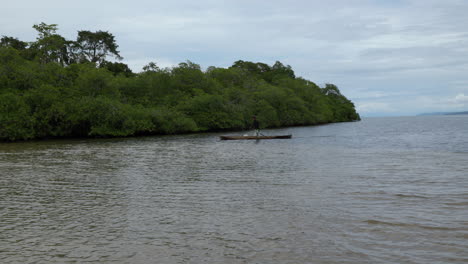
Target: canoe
254 137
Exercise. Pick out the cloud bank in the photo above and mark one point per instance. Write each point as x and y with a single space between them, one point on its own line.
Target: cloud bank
389 57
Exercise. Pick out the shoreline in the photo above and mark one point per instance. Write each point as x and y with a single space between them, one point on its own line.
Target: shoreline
45 139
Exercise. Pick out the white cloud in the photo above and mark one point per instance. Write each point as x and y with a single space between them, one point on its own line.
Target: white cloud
460 99
442 103
374 107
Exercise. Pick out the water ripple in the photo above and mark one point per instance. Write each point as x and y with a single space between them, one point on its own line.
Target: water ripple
365 192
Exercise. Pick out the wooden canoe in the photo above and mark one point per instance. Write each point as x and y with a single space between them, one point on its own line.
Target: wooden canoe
254 137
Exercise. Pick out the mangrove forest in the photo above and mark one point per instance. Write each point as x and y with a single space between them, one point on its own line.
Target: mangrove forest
53 87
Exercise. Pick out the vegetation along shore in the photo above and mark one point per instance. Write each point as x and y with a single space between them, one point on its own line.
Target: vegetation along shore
54 87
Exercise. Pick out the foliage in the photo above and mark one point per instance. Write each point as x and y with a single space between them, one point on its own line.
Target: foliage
15 122
50 47
54 87
15 43
212 112
96 46
117 68
264 71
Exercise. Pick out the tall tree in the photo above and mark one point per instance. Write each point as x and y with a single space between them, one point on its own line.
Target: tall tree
50 47
45 30
96 46
151 67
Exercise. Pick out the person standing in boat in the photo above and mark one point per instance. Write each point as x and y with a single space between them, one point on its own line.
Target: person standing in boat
256 126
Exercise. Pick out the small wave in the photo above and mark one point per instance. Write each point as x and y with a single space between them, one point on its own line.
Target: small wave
377 222
367 193
411 196
457 203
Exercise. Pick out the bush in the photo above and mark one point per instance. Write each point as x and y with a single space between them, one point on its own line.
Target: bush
15 122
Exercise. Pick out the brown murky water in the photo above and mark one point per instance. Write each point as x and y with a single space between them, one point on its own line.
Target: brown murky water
384 190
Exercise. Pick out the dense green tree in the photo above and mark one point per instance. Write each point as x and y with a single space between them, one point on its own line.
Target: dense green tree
331 89
47 111
254 68
286 71
189 78
96 46
170 121
13 43
343 109
15 122
117 68
265 113
212 112
229 77
152 66
264 71
49 46
16 72
45 30
97 82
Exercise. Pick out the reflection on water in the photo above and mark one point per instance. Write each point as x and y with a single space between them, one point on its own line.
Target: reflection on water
384 190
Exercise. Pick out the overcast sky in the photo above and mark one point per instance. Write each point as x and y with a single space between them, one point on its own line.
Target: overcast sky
390 57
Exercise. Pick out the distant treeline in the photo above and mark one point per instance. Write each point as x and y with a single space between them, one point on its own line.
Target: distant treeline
54 87
445 113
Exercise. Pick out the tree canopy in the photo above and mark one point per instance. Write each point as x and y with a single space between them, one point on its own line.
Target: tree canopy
96 46
54 87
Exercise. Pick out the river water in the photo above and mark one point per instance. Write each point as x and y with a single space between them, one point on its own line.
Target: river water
383 190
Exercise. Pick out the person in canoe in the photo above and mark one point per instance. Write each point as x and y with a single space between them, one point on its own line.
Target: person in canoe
256 126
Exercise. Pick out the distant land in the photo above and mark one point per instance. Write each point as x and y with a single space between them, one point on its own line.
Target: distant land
446 113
